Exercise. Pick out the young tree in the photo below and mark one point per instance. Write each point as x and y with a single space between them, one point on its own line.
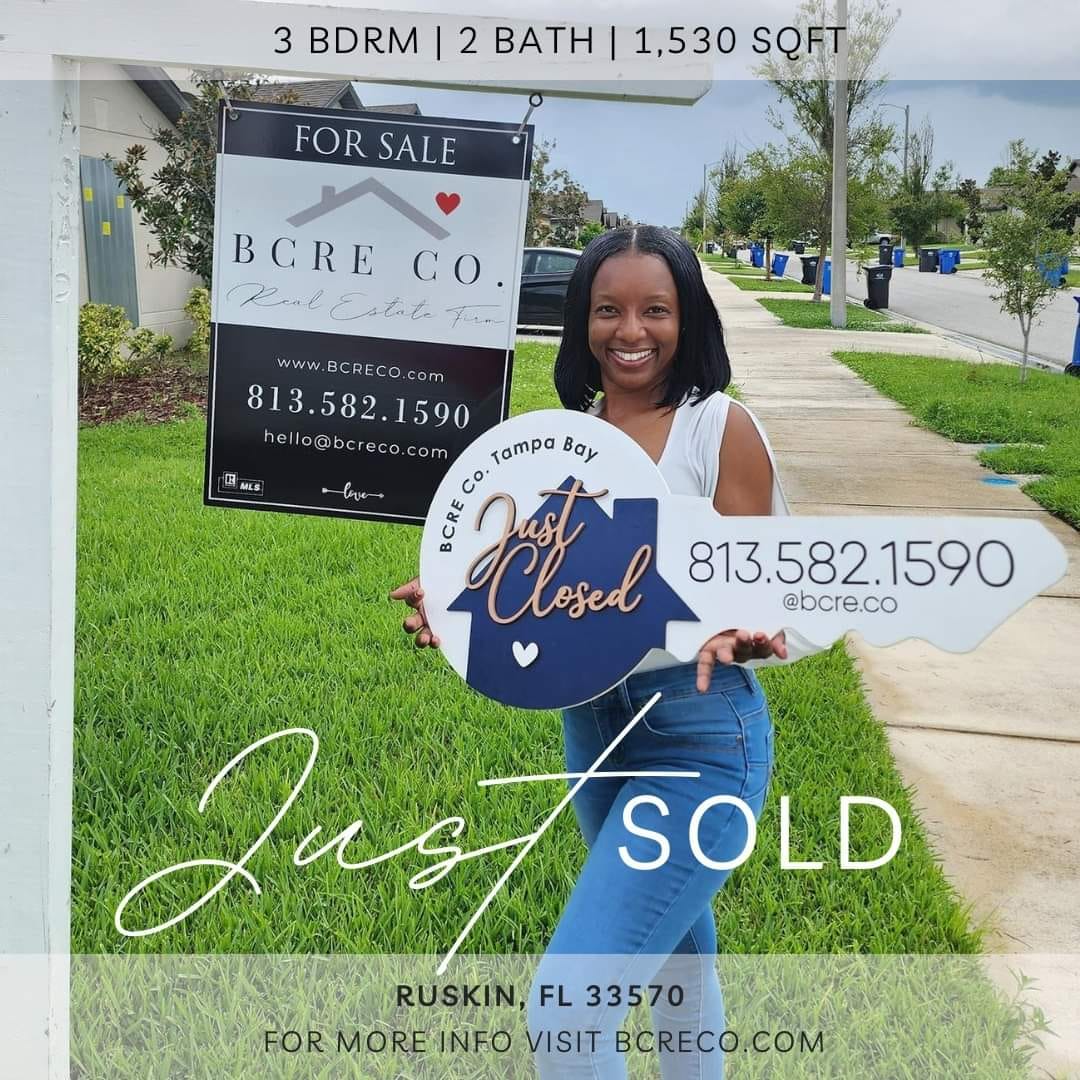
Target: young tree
1023 241
912 211
691 223
1057 178
177 203
968 192
925 197
795 182
554 195
704 207
725 171
745 210
806 86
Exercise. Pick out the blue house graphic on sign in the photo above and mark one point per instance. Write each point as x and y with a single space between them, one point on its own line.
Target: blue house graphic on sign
541 662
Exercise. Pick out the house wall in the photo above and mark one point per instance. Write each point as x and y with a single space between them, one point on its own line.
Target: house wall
114 114
594 210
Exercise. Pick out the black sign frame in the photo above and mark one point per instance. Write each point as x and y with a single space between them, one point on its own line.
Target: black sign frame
355 430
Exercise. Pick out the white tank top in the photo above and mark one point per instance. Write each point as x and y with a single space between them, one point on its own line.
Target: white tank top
690 464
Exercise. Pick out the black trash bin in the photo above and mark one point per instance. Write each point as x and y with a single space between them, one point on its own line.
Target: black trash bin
731 252
877 286
809 268
798 247
928 260
885 254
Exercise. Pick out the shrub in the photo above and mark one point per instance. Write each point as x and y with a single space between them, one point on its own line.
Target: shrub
110 346
144 346
103 330
198 310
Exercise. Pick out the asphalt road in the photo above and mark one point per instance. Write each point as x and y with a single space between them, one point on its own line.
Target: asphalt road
961 303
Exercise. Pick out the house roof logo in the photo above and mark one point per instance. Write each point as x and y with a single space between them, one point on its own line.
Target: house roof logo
563 608
542 583
331 199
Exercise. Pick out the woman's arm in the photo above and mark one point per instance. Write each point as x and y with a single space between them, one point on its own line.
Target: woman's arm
743 489
745 481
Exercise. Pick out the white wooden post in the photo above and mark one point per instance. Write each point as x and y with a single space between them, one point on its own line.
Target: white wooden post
39 294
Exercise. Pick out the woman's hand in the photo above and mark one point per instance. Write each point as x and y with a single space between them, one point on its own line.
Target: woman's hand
736 647
417 624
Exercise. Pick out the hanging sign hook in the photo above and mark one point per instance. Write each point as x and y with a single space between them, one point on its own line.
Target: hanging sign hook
535 101
218 75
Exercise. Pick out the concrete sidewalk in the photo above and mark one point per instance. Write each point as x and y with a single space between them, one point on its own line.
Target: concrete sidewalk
989 740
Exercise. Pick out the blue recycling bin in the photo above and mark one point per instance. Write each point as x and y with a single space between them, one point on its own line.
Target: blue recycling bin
948 258
757 255
779 265
1053 269
898 258
826 278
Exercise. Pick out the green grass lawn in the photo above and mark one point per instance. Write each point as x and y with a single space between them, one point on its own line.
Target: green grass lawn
733 266
775 285
1037 423
807 315
726 266
202 630
1072 279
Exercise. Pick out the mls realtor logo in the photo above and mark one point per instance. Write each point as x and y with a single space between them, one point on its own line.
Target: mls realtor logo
554 558
230 482
545 584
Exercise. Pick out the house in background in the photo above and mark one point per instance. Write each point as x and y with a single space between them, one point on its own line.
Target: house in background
1074 176
121 105
329 94
118 107
593 211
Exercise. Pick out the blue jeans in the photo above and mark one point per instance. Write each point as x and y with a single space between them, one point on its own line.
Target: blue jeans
651 926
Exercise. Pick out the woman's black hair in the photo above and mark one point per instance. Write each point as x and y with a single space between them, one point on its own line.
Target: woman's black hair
701 364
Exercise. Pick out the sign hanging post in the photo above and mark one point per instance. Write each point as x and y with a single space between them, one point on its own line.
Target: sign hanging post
39 114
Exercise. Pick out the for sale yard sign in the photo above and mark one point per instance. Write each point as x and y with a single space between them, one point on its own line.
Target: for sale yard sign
364 301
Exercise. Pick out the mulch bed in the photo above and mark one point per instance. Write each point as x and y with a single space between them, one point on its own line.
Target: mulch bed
154 397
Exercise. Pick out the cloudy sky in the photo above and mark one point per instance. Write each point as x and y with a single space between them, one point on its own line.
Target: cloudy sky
646 160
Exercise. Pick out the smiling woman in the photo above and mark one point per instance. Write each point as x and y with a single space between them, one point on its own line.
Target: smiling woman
643 349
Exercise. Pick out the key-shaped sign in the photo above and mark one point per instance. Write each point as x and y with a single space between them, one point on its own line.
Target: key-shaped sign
554 559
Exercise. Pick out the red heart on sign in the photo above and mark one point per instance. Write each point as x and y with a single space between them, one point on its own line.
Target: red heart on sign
448 203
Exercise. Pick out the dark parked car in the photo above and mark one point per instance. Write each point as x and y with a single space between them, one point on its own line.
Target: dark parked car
545 272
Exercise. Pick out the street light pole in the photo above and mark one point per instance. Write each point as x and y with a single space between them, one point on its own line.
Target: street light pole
907 140
907 128
907 133
838 288
705 196
704 202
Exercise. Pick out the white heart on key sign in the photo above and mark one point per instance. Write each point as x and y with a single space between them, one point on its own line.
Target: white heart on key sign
525 654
